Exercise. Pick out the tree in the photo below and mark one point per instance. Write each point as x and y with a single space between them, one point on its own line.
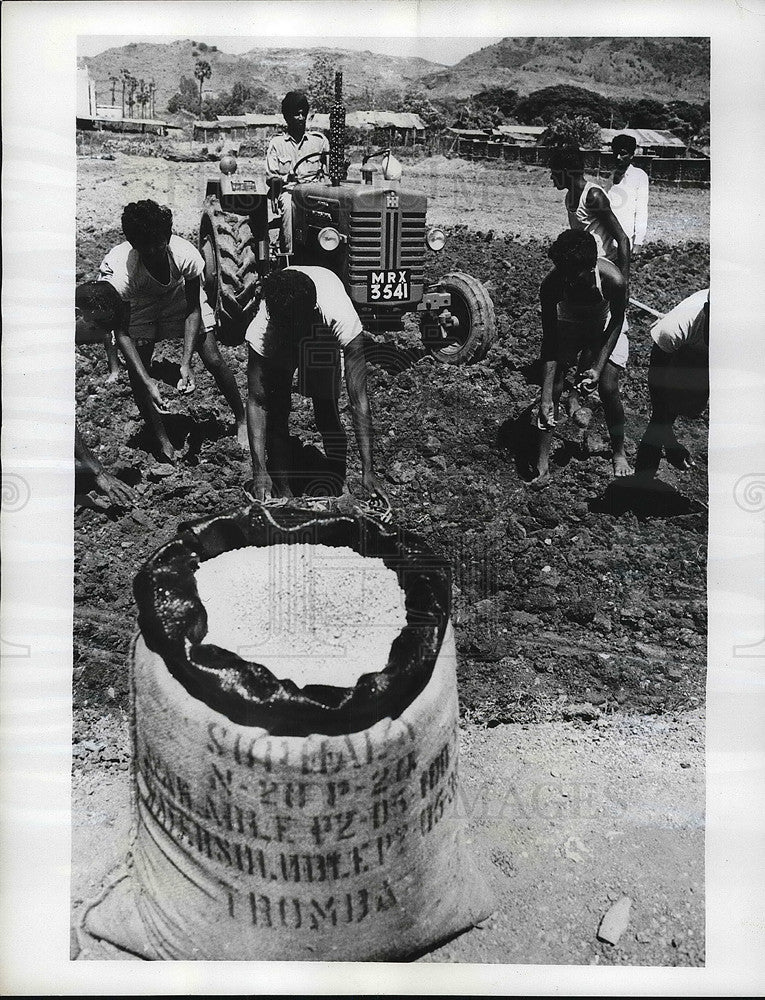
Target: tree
131 82
578 130
185 97
202 71
645 113
320 86
563 100
418 103
464 113
501 99
126 78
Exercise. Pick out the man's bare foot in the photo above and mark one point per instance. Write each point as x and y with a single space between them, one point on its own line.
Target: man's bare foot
541 480
679 456
621 466
242 436
167 454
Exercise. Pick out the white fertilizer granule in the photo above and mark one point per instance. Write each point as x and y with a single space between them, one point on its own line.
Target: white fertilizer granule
313 614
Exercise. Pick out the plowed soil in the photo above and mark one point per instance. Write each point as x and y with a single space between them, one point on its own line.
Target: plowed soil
586 592
584 601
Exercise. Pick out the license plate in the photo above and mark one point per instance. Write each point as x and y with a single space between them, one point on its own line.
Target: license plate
388 286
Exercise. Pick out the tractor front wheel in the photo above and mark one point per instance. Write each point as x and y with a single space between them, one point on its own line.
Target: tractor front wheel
232 279
468 328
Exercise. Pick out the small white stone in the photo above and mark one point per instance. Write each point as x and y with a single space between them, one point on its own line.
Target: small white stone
615 920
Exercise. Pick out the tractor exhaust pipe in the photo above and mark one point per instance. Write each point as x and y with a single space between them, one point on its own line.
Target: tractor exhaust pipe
337 135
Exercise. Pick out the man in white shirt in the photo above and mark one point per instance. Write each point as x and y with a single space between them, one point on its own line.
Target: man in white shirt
678 381
628 193
284 151
158 277
304 321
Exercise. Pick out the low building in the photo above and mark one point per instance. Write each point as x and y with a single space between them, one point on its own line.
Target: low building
522 135
650 141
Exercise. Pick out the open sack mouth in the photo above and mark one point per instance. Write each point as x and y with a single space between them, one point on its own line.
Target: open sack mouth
175 622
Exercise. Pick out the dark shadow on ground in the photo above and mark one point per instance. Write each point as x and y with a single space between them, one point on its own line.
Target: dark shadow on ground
312 474
167 371
186 432
651 498
533 371
518 435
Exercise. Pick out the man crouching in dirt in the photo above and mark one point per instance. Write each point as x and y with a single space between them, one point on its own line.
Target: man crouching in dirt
304 319
678 382
583 299
158 275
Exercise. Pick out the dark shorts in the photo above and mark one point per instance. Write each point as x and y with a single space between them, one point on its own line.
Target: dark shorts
578 336
683 382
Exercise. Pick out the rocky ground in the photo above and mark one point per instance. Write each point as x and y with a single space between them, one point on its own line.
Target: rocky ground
579 607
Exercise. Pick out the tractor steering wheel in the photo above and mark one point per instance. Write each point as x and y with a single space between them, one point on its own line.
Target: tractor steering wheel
320 172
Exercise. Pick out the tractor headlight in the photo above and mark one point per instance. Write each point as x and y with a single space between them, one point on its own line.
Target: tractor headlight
436 239
329 238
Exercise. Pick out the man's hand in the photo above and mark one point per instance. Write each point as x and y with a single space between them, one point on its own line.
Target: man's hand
115 490
546 416
186 383
156 396
588 381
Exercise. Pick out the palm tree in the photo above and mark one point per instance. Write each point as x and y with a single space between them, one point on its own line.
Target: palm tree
143 97
132 84
113 80
125 74
202 71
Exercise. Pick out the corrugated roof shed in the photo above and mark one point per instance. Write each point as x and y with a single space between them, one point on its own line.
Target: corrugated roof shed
525 130
258 120
377 119
472 133
386 119
232 121
644 136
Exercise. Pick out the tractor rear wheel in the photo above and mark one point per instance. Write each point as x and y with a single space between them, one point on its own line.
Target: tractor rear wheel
232 279
476 328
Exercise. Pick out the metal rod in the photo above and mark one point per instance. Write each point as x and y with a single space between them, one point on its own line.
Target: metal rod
645 308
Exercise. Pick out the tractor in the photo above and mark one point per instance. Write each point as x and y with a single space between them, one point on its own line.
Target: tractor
370 232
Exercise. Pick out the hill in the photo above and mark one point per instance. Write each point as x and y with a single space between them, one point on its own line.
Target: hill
366 74
661 68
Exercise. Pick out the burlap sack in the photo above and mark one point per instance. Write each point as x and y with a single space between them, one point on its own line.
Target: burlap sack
327 846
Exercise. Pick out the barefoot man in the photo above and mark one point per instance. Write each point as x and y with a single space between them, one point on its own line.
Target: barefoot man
589 209
158 277
582 299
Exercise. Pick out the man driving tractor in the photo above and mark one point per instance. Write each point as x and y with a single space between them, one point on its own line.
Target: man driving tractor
287 150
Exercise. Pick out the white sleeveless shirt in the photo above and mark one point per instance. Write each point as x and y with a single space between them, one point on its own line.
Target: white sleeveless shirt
582 218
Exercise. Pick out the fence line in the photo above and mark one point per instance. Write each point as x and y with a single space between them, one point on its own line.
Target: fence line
684 172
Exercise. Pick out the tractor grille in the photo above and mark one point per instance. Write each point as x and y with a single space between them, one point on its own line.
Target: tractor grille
413 244
364 246
391 239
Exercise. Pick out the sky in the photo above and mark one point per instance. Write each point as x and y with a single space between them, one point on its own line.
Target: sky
440 50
